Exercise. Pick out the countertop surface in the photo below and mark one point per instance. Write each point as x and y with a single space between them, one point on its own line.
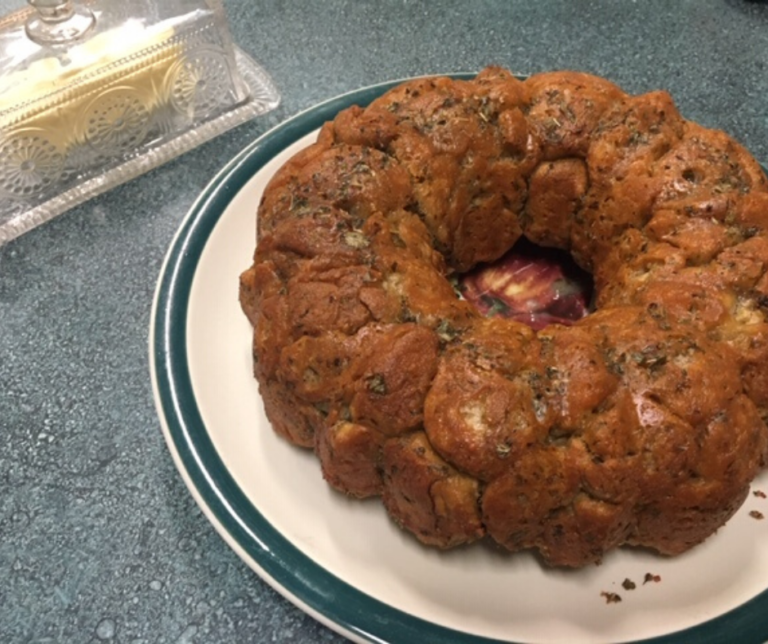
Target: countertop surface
100 541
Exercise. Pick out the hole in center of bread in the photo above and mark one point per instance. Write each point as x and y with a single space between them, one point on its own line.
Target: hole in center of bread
530 284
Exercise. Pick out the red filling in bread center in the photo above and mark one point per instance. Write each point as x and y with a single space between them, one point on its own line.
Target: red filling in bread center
530 284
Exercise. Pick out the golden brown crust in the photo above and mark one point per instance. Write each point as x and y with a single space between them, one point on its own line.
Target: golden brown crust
484 407
424 494
565 109
350 456
556 191
643 424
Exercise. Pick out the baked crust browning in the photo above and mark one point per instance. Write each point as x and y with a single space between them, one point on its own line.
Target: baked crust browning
427 496
642 424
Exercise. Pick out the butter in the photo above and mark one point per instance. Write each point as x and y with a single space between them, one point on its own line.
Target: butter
51 74
142 82
109 83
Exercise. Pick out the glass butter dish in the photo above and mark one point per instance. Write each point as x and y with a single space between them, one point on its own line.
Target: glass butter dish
96 92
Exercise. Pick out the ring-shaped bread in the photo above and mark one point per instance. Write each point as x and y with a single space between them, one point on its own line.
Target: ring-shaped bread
642 424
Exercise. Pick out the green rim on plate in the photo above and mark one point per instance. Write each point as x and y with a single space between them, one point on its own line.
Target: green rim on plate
313 588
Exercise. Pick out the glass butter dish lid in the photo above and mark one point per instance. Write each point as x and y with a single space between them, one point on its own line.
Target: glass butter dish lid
96 92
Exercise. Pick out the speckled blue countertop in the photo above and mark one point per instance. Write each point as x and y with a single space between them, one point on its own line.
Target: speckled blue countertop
99 539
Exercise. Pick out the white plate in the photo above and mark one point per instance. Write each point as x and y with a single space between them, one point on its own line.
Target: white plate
343 561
